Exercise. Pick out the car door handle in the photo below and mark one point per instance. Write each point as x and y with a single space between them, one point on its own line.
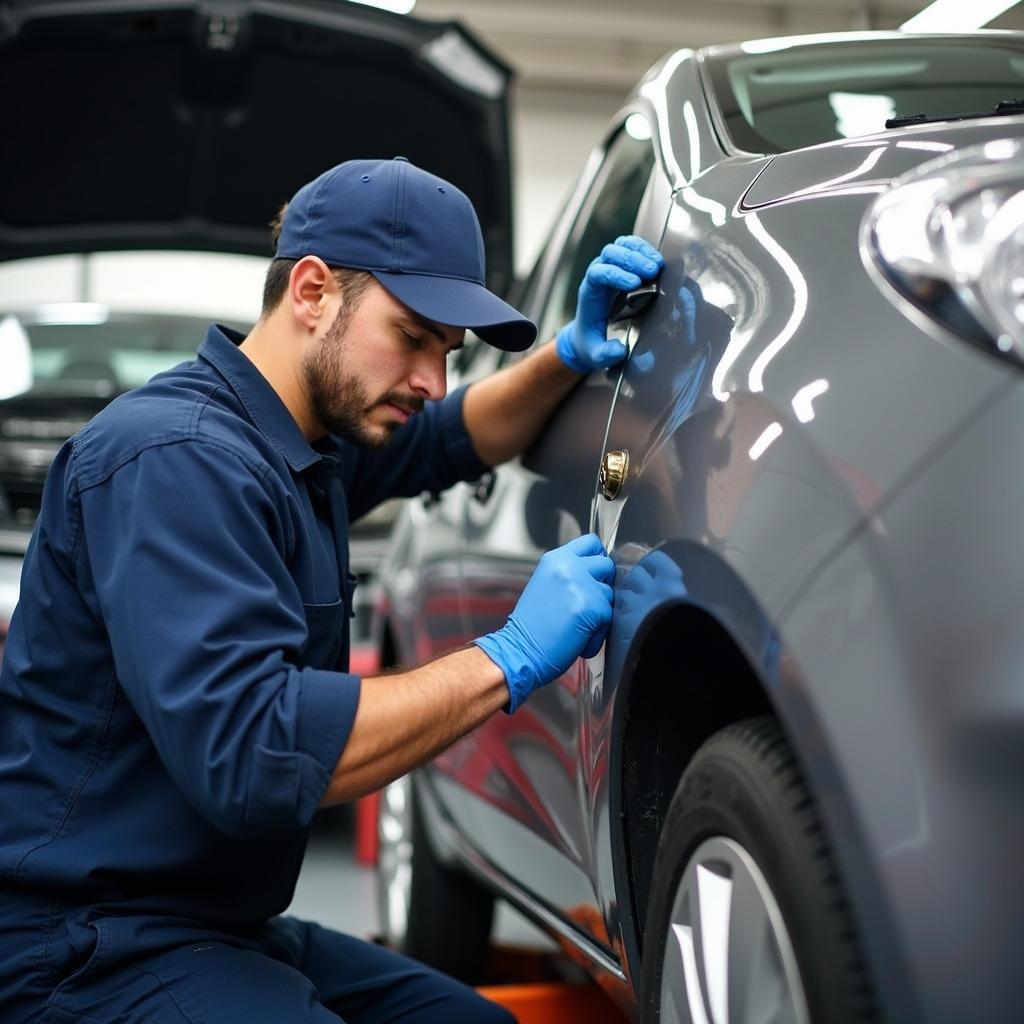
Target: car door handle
627 305
483 488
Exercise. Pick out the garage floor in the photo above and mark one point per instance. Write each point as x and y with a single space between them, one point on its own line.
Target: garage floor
338 892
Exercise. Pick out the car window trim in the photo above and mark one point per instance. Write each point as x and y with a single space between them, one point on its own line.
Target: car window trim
570 226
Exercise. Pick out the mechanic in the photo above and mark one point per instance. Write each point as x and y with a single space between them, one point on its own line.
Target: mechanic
176 705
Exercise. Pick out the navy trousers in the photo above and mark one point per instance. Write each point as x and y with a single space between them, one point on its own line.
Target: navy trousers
138 971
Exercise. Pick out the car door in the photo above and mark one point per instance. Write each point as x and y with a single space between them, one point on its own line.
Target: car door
529 773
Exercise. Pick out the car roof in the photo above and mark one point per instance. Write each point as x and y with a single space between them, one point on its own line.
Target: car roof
777 44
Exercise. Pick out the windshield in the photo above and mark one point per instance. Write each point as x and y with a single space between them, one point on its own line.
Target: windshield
80 351
800 96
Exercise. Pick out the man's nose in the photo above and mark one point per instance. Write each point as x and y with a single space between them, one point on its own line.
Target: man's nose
429 378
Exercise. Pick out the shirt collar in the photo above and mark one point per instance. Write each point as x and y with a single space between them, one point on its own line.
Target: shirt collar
261 401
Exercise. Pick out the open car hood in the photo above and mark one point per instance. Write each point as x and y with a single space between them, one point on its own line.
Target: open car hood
185 124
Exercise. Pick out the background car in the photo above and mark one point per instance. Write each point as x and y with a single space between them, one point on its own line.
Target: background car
64 361
109 227
788 787
61 363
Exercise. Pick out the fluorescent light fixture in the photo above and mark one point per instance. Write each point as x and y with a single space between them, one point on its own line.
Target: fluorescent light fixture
394 6
935 147
693 137
638 127
956 15
54 314
788 42
803 400
771 433
716 210
860 113
16 353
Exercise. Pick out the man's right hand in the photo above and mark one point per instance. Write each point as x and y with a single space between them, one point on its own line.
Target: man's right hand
563 613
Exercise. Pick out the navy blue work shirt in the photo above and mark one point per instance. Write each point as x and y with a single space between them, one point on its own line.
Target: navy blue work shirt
174 688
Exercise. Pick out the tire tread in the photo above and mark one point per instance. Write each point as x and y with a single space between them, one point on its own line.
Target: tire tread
755 753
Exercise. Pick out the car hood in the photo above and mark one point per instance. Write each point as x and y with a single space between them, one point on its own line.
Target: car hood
869 161
185 124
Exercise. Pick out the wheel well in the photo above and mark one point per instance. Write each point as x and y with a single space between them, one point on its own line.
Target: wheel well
690 681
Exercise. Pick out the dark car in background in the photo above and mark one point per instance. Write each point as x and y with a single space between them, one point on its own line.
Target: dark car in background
60 363
189 157
789 786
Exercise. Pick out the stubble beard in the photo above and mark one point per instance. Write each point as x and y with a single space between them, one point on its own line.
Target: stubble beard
339 399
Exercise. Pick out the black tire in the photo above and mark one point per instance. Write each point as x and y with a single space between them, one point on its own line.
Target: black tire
448 914
744 790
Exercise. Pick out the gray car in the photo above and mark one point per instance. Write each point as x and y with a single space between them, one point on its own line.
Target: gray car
789 787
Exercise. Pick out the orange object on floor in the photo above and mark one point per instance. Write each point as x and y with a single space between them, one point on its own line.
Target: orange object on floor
554 1003
367 841
363 660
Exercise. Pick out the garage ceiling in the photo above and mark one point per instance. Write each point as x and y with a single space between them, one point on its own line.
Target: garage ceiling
606 45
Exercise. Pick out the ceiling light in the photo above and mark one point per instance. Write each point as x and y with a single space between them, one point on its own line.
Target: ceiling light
860 113
16 351
395 6
771 433
638 127
956 16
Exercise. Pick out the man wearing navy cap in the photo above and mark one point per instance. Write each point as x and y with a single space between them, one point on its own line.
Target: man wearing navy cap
176 697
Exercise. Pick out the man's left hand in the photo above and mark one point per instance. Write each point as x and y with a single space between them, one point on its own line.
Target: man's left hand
583 344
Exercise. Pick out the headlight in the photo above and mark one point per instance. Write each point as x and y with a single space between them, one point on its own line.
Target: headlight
949 237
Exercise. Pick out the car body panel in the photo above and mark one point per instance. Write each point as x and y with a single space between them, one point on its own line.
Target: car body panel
935 700
869 161
531 765
751 531
788 418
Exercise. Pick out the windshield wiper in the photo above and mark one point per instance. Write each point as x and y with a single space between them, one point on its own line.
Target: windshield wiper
1001 109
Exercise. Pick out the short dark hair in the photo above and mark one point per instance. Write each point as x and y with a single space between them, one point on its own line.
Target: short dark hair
352 282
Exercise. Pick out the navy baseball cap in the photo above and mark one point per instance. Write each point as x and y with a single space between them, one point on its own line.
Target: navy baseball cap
416 233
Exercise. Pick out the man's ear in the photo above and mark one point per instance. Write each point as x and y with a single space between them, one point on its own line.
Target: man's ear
310 286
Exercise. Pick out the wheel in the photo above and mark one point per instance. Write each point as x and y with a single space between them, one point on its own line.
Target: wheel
746 922
428 911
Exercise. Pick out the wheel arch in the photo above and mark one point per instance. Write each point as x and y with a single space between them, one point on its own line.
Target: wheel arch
661 727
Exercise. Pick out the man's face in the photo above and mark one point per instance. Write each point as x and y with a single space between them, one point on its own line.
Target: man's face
375 366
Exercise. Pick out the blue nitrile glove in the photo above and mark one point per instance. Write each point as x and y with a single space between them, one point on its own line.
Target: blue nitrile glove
563 613
583 344
652 584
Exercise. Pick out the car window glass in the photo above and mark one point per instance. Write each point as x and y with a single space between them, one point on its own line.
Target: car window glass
610 210
801 96
523 298
52 355
471 361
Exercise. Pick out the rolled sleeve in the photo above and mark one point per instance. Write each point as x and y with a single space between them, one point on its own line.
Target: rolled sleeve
187 552
290 785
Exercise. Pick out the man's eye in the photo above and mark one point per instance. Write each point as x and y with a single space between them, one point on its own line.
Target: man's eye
413 339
